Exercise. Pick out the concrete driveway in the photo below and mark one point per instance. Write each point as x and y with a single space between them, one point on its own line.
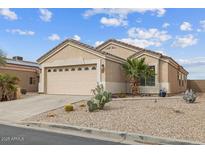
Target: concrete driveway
17 110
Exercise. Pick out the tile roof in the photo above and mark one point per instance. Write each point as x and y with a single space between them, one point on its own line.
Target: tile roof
23 63
98 50
81 44
138 48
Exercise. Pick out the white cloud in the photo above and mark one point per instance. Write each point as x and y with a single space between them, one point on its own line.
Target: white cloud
118 17
151 33
195 66
194 60
123 12
146 37
20 32
202 26
161 51
54 37
140 42
45 15
97 43
186 26
8 14
76 37
165 25
113 21
139 20
185 41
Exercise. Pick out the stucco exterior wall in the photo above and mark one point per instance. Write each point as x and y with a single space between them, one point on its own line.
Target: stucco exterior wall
151 61
115 78
119 51
71 55
24 77
174 85
70 52
196 85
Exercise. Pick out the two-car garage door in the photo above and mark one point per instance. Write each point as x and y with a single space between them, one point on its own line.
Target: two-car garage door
73 80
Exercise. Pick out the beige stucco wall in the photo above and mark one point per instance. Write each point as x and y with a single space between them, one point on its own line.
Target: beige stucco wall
71 55
196 85
115 79
151 61
70 52
24 78
173 80
118 50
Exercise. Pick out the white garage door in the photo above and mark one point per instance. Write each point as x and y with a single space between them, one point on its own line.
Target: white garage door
76 80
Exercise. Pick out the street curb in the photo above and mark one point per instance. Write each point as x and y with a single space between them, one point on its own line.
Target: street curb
123 137
145 98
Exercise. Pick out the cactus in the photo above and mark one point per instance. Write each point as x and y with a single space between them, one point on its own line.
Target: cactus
189 96
101 97
92 106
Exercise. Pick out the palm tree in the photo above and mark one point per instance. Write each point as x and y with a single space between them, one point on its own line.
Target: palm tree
8 86
2 58
136 69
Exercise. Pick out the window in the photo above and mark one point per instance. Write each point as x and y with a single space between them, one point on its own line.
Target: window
66 69
32 80
72 69
60 70
54 70
79 69
150 81
93 68
86 68
49 70
179 78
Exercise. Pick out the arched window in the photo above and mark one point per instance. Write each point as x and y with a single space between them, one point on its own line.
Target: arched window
54 70
72 69
86 68
66 69
93 68
49 70
79 68
60 70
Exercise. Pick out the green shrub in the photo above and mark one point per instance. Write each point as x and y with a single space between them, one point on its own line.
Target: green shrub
68 107
101 97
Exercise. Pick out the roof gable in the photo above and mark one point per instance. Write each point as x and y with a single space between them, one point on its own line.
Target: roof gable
65 43
85 47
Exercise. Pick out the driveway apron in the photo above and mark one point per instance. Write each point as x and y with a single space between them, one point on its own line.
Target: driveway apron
17 110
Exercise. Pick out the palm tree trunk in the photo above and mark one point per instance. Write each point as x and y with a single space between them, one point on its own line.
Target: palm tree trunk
134 87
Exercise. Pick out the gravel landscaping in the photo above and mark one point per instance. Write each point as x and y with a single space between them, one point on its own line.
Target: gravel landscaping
165 117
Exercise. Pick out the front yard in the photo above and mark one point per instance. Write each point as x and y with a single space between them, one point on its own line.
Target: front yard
166 117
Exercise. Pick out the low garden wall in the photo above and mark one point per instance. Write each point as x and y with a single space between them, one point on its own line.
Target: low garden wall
196 85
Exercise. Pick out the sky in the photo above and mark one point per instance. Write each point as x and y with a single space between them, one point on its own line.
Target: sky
178 33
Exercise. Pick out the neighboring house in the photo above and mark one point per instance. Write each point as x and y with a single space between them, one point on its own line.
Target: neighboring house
75 68
27 72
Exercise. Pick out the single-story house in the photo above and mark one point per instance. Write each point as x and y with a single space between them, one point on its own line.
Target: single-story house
26 71
75 68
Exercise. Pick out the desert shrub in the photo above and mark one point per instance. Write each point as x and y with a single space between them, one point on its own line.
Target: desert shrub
23 91
189 96
101 97
68 107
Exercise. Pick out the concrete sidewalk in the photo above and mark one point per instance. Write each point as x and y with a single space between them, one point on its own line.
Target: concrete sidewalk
17 110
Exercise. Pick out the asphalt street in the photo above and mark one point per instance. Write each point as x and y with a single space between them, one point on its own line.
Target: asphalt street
10 135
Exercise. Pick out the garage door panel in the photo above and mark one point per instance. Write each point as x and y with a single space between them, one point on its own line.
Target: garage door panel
71 82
